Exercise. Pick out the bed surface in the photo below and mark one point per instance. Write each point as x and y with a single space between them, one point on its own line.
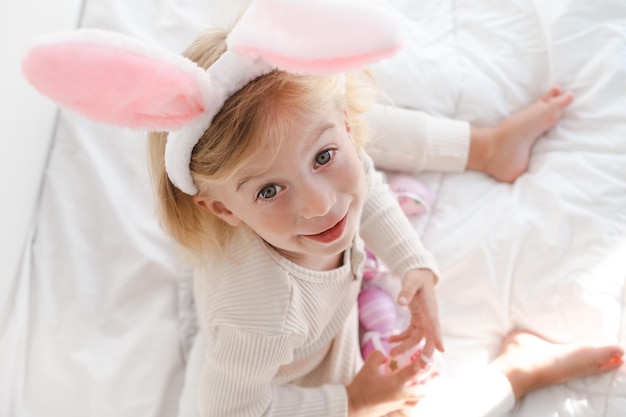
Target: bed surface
96 326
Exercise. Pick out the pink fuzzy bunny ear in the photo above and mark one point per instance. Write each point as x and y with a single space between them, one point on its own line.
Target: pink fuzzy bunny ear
316 37
116 79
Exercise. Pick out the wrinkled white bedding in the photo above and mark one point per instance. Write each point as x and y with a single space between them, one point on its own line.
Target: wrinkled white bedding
95 327
549 252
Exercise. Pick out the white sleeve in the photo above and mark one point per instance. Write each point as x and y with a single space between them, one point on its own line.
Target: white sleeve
237 380
414 141
387 231
488 394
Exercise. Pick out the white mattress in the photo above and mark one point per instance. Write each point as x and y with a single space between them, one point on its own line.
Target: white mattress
95 327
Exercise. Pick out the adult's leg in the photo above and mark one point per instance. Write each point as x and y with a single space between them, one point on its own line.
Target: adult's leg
413 141
526 362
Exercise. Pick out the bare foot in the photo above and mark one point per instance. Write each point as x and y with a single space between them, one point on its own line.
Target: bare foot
530 362
503 151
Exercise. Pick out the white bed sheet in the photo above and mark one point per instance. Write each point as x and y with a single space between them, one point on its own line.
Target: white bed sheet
549 252
95 327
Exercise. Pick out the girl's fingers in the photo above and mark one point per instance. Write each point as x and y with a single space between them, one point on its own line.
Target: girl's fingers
407 343
414 393
375 359
400 337
423 303
408 372
410 286
427 353
430 312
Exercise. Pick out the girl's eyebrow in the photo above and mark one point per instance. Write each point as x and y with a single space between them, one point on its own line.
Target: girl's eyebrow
245 179
242 182
318 133
314 137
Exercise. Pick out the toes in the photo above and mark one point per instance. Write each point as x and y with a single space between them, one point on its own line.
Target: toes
593 360
612 357
563 100
554 91
557 97
614 362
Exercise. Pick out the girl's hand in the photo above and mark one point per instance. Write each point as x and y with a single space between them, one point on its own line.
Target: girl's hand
418 293
374 394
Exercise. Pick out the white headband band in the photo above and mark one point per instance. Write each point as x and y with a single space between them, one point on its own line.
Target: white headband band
116 79
228 75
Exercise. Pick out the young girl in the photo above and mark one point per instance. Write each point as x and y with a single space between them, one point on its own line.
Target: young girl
284 192
285 189
267 186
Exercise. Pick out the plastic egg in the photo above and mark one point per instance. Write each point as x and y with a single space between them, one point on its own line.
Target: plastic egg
371 267
371 345
414 197
377 310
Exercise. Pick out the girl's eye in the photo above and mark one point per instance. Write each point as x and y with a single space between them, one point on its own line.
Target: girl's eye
324 157
269 191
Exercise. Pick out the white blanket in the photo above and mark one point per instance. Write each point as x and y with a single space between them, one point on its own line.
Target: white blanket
549 252
94 327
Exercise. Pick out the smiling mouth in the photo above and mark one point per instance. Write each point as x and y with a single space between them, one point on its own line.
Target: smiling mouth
332 234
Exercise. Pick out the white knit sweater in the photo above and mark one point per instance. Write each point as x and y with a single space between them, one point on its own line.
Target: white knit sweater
282 340
413 141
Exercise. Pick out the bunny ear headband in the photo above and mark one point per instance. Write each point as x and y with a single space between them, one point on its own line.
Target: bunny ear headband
116 79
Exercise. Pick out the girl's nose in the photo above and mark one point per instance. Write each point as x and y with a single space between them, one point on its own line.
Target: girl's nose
316 199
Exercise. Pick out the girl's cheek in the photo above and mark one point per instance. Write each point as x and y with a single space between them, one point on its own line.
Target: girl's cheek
359 185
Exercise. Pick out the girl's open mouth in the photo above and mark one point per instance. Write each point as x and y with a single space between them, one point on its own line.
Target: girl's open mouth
332 234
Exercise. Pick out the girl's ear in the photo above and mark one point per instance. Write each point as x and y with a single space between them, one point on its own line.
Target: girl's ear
217 208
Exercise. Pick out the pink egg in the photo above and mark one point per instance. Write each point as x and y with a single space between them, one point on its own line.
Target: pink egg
368 347
414 197
377 310
371 267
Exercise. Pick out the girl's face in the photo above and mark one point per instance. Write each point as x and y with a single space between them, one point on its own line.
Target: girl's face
305 200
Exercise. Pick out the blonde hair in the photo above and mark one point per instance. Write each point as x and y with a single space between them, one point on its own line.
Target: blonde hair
248 122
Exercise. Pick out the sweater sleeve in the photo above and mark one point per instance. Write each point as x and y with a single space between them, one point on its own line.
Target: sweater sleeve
414 141
387 231
237 379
